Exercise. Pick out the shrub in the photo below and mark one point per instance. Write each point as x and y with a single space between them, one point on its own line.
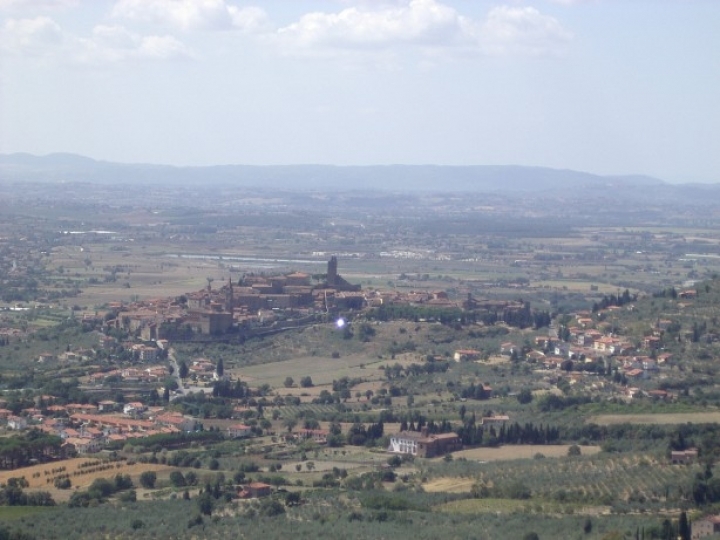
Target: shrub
271 507
128 496
148 479
197 520
190 478
205 503
574 450
62 483
101 488
177 479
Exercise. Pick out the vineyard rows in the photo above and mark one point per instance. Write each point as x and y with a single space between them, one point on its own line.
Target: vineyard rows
600 478
290 411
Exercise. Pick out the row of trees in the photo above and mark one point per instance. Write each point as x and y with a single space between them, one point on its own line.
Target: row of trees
614 300
12 494
522 317
101 489
529 433
33 446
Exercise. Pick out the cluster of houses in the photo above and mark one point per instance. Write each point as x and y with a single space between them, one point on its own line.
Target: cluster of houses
88 428
590 346
150 374
145 352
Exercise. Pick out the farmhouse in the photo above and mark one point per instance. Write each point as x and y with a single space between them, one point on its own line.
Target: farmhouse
465 355
707 526
255 490
177 420
16 423
82 446
45 357
318 436
134 407
424 445
683 456
238 431
497 419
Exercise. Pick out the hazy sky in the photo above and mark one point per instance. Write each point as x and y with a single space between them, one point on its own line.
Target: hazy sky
604 86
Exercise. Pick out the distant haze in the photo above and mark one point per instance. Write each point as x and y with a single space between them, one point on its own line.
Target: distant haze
610 87
73 168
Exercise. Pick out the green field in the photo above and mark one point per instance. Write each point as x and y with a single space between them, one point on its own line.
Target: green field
10 513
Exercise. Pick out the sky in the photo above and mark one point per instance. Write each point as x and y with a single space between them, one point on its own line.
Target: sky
602 86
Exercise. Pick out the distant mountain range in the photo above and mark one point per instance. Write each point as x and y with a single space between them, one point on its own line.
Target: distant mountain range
480 178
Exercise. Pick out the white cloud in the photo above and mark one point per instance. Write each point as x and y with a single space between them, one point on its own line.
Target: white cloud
9 5
428 25
192 14
525 30
43 37
112 44
251 20
419 22
33 37
571 2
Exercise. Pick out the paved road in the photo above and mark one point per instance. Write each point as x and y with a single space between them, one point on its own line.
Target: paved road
181 391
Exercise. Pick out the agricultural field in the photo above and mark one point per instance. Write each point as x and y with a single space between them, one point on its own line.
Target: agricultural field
322 370
110 274
81 471
656 418
526 451
600 479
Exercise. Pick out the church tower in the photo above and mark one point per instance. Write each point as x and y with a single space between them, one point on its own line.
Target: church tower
229 300
332 271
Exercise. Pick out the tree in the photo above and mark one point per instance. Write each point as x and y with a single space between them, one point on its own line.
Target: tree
220 368
205 503
177 479
290 423
667 530
365 332
574 450
100 488
289 381
462 412
587 526
190 478
271 507
306 382
524 396
183 370
683 527
123 481
147 479
62 483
